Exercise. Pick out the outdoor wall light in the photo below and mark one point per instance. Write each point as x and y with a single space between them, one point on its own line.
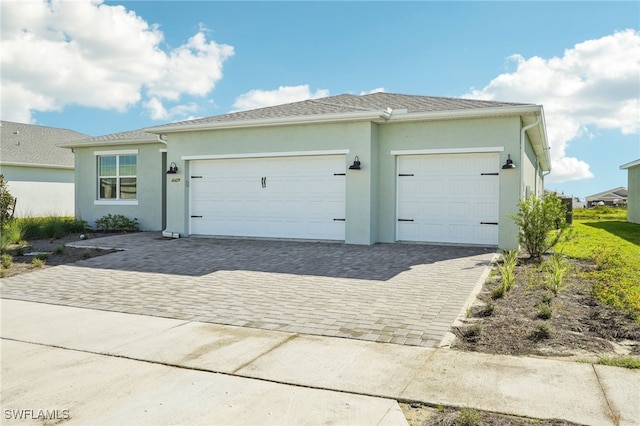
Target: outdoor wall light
355 165
173 169
509 164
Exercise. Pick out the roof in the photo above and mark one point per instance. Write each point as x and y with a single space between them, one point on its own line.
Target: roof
35 146
380 107
630 164
374 104
122 138
620 192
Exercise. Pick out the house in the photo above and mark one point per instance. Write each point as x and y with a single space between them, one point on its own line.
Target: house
39 174
363 169
612 197
633 200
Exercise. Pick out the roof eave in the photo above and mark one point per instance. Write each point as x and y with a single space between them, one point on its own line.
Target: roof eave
630 164
86 144
264 122
37 165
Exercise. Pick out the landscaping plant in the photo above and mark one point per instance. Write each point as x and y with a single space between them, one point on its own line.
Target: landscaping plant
7 202
117 223
555 269
542 221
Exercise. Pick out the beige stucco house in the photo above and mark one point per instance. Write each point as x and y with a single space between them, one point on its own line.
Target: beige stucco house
363 169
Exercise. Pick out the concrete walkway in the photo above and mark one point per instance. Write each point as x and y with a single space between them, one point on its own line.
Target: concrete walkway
116 368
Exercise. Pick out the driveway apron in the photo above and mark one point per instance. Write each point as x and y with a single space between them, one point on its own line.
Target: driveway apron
400 293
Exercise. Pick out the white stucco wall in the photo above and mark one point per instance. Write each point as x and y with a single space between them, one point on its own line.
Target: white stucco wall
40 191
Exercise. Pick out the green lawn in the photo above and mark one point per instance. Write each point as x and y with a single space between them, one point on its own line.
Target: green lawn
615 247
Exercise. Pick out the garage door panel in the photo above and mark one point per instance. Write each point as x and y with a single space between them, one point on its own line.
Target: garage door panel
300 198
447 196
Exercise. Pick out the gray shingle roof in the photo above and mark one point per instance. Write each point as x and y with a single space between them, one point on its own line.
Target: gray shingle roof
36 145
346 103
132 136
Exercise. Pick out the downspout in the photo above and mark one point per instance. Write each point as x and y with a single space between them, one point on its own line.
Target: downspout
522 142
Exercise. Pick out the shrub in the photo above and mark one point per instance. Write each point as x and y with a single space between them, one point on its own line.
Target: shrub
60 249
542 331
467 417
7 260
50 227
117 223
7 202
545 311
555 270
37 262
542 221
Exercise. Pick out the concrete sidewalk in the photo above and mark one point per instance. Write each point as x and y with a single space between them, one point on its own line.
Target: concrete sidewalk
109 368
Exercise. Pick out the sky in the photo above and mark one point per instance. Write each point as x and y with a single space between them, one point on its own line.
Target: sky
101 67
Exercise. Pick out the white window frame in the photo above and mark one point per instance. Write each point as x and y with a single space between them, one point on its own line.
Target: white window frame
115 201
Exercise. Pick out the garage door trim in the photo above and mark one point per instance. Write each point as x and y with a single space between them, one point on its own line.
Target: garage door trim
485 149
266 155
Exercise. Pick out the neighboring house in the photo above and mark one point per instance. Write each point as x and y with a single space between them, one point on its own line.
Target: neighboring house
38 172
633 200
612 197
360 169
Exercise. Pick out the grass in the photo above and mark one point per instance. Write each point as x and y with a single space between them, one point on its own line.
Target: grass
620 361
49 227
601 213
614 245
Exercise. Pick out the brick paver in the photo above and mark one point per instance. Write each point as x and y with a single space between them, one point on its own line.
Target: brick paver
401 293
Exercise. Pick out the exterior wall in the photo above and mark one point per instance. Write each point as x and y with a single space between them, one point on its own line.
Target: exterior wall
354 137
450 134
150 177
633 200
40 191
371 191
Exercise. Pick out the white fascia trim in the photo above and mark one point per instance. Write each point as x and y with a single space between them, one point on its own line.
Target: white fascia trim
266 154
466 113
163 149
42 166
115 202
116 152
631 164
447 151
279 121
111 143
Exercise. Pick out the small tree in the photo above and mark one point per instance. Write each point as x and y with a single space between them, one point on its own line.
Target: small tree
7 202
541 220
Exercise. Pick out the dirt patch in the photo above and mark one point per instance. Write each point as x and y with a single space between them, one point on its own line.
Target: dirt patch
529 320
422 415
52 251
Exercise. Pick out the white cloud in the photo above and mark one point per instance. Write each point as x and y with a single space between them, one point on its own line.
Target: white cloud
376 90
83 52
282 95
595 84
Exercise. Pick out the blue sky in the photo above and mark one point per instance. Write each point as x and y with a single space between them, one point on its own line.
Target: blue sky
115 66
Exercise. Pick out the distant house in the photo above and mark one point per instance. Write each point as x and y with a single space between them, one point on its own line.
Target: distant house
612 197
381 167
633 199
39 174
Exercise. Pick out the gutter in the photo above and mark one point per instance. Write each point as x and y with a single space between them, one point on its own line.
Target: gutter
522 142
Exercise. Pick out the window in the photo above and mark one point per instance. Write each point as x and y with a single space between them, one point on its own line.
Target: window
117 177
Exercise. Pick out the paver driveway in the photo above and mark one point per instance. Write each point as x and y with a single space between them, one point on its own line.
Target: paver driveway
400 293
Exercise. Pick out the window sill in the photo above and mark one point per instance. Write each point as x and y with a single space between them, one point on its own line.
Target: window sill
115 202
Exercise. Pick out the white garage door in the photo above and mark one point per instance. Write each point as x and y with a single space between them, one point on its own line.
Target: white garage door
450 198
280 197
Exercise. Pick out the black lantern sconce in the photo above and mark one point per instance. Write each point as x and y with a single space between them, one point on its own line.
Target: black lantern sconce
355 165
509 164
173 169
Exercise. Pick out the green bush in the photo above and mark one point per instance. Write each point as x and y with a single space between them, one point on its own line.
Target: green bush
555 269
542 221
50 227
7 260
117 223
6 203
